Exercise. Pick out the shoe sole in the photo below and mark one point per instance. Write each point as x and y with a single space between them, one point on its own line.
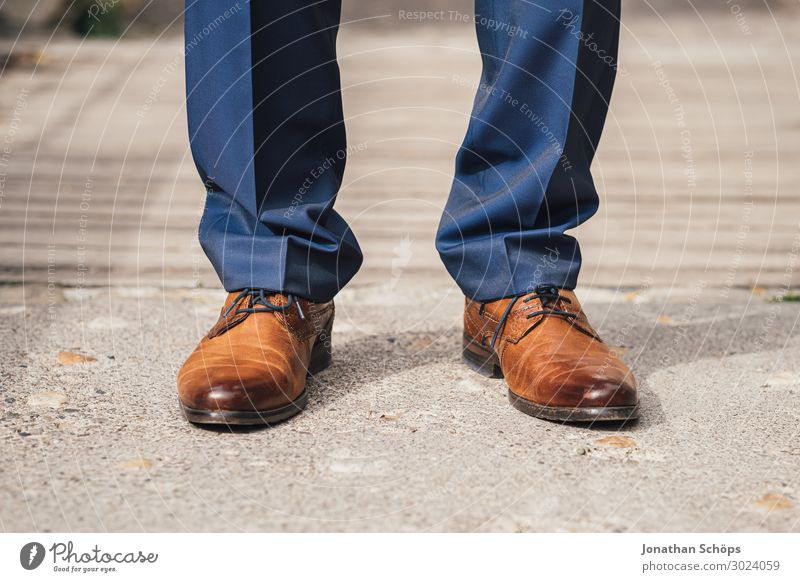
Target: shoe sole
321 358
486 363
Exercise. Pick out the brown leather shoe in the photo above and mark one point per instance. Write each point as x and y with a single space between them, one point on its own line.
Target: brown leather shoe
555 364
252 366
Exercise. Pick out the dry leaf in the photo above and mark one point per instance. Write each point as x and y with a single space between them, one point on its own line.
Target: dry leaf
420 343
664 319
618 442
772 501
70 358
138 463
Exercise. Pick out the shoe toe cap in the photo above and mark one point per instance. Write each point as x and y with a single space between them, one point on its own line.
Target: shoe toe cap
232 388
609 393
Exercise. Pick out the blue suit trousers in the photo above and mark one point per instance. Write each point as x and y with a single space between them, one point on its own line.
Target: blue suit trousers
268 138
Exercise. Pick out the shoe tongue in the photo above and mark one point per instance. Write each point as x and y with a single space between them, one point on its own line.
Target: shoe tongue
230 299
496 309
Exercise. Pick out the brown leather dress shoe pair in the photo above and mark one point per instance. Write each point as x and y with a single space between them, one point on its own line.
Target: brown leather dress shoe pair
251 368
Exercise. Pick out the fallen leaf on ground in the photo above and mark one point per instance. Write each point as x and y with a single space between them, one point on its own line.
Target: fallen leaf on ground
48 399
664 319
420 343
70 358
618 442
137 464
772 501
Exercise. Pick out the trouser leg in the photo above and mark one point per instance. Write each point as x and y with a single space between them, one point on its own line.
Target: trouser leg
267 135
522 173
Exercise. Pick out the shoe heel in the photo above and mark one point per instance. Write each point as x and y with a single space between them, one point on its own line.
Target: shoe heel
322 352
482 360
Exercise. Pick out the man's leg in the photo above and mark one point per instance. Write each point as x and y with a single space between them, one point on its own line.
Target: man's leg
266 130
268 138
522 174
522 180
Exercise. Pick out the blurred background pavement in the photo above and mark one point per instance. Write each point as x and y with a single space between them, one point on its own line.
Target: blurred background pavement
697 167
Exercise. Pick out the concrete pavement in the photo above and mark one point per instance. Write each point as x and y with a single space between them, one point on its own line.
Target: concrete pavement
399 435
